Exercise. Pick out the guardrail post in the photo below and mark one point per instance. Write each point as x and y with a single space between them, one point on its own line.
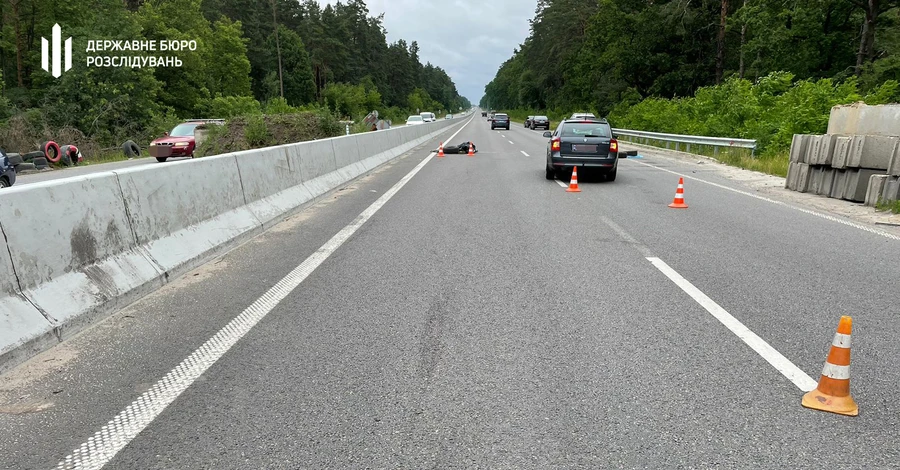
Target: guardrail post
676 146
688 148
715 151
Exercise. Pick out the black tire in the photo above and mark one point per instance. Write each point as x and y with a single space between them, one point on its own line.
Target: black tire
40 163
32 155
162 159
549 173
611 176
3 182
131 149
14 159
24 167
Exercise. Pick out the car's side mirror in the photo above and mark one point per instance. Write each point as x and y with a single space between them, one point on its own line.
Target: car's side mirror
547 134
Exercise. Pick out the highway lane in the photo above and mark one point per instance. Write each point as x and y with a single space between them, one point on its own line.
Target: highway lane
484 317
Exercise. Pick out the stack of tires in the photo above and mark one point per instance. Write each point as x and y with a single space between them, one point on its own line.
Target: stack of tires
50 152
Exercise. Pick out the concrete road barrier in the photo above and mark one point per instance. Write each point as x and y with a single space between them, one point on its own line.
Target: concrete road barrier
90 244
874 189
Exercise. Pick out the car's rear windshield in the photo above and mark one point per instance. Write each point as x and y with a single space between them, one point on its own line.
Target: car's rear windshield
580 129
541 117
184 130
498 115
414 118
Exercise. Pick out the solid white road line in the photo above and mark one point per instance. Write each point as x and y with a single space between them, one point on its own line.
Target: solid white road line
780 203
562 184
510 141
523 153
770 354
115 435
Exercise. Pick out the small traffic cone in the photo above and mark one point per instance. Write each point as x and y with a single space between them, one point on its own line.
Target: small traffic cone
471 150
833 392
441 150
573 185
678 202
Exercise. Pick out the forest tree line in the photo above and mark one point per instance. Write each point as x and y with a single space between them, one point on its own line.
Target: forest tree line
762 69
252 56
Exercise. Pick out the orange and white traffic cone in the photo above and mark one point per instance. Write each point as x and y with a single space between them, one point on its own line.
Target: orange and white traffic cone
471 150
441 150
833 392
573 185
678 202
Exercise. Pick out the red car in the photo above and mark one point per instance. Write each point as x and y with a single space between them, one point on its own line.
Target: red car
180 141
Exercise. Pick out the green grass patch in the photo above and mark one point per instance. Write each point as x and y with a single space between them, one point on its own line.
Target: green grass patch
892 206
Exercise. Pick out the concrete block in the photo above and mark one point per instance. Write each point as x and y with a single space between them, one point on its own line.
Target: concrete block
799 145
826 149
841 149
827 182
74 253
790 181
812 149
858 184
817 180
875 188
871 151
803 177
839 184
891 191
894 164
862 119
186 211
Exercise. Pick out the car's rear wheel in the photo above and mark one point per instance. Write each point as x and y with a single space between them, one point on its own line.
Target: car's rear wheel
161 159
549 173
611 176
4 183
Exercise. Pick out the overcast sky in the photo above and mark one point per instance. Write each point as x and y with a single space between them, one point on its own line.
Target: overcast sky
467 38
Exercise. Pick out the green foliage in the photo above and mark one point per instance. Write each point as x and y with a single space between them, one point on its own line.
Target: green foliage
224 107
256 132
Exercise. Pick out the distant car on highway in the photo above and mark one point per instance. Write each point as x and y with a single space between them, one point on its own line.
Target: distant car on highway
414 120
500 120
540 121
583 116
449 116
587 143
179 142
7 171
428 117
528 121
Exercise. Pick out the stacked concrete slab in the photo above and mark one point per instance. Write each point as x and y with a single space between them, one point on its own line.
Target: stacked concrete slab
82 258
858 160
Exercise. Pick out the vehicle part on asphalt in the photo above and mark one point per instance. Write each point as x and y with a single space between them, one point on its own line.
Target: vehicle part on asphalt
24 167
15 159
461 148
40 163
32 155
51 151
131 149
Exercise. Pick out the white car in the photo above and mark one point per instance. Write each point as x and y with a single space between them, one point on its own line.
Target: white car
583 116
428 117
449 116
414 120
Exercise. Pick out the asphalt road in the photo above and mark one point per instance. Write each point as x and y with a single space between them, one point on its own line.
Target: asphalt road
485 318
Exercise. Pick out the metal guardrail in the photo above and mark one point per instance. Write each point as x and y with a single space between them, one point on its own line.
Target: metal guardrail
678 139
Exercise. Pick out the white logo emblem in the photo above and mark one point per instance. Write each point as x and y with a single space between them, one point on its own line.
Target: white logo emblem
57 44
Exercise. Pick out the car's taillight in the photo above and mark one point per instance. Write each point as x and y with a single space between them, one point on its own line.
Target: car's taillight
613 146
554 144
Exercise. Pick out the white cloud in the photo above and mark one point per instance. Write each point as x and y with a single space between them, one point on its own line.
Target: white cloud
469 39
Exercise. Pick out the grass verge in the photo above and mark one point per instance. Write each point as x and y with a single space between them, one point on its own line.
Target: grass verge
893 206
775 164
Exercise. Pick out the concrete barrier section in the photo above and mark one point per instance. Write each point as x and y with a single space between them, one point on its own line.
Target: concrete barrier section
185 211
874 189
791 176
891 191
812 150
862 119
23 329
803 177
871 151
894 165
799 145
74 253
858 184
841 150
839 184
826 150
828 181
272 182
